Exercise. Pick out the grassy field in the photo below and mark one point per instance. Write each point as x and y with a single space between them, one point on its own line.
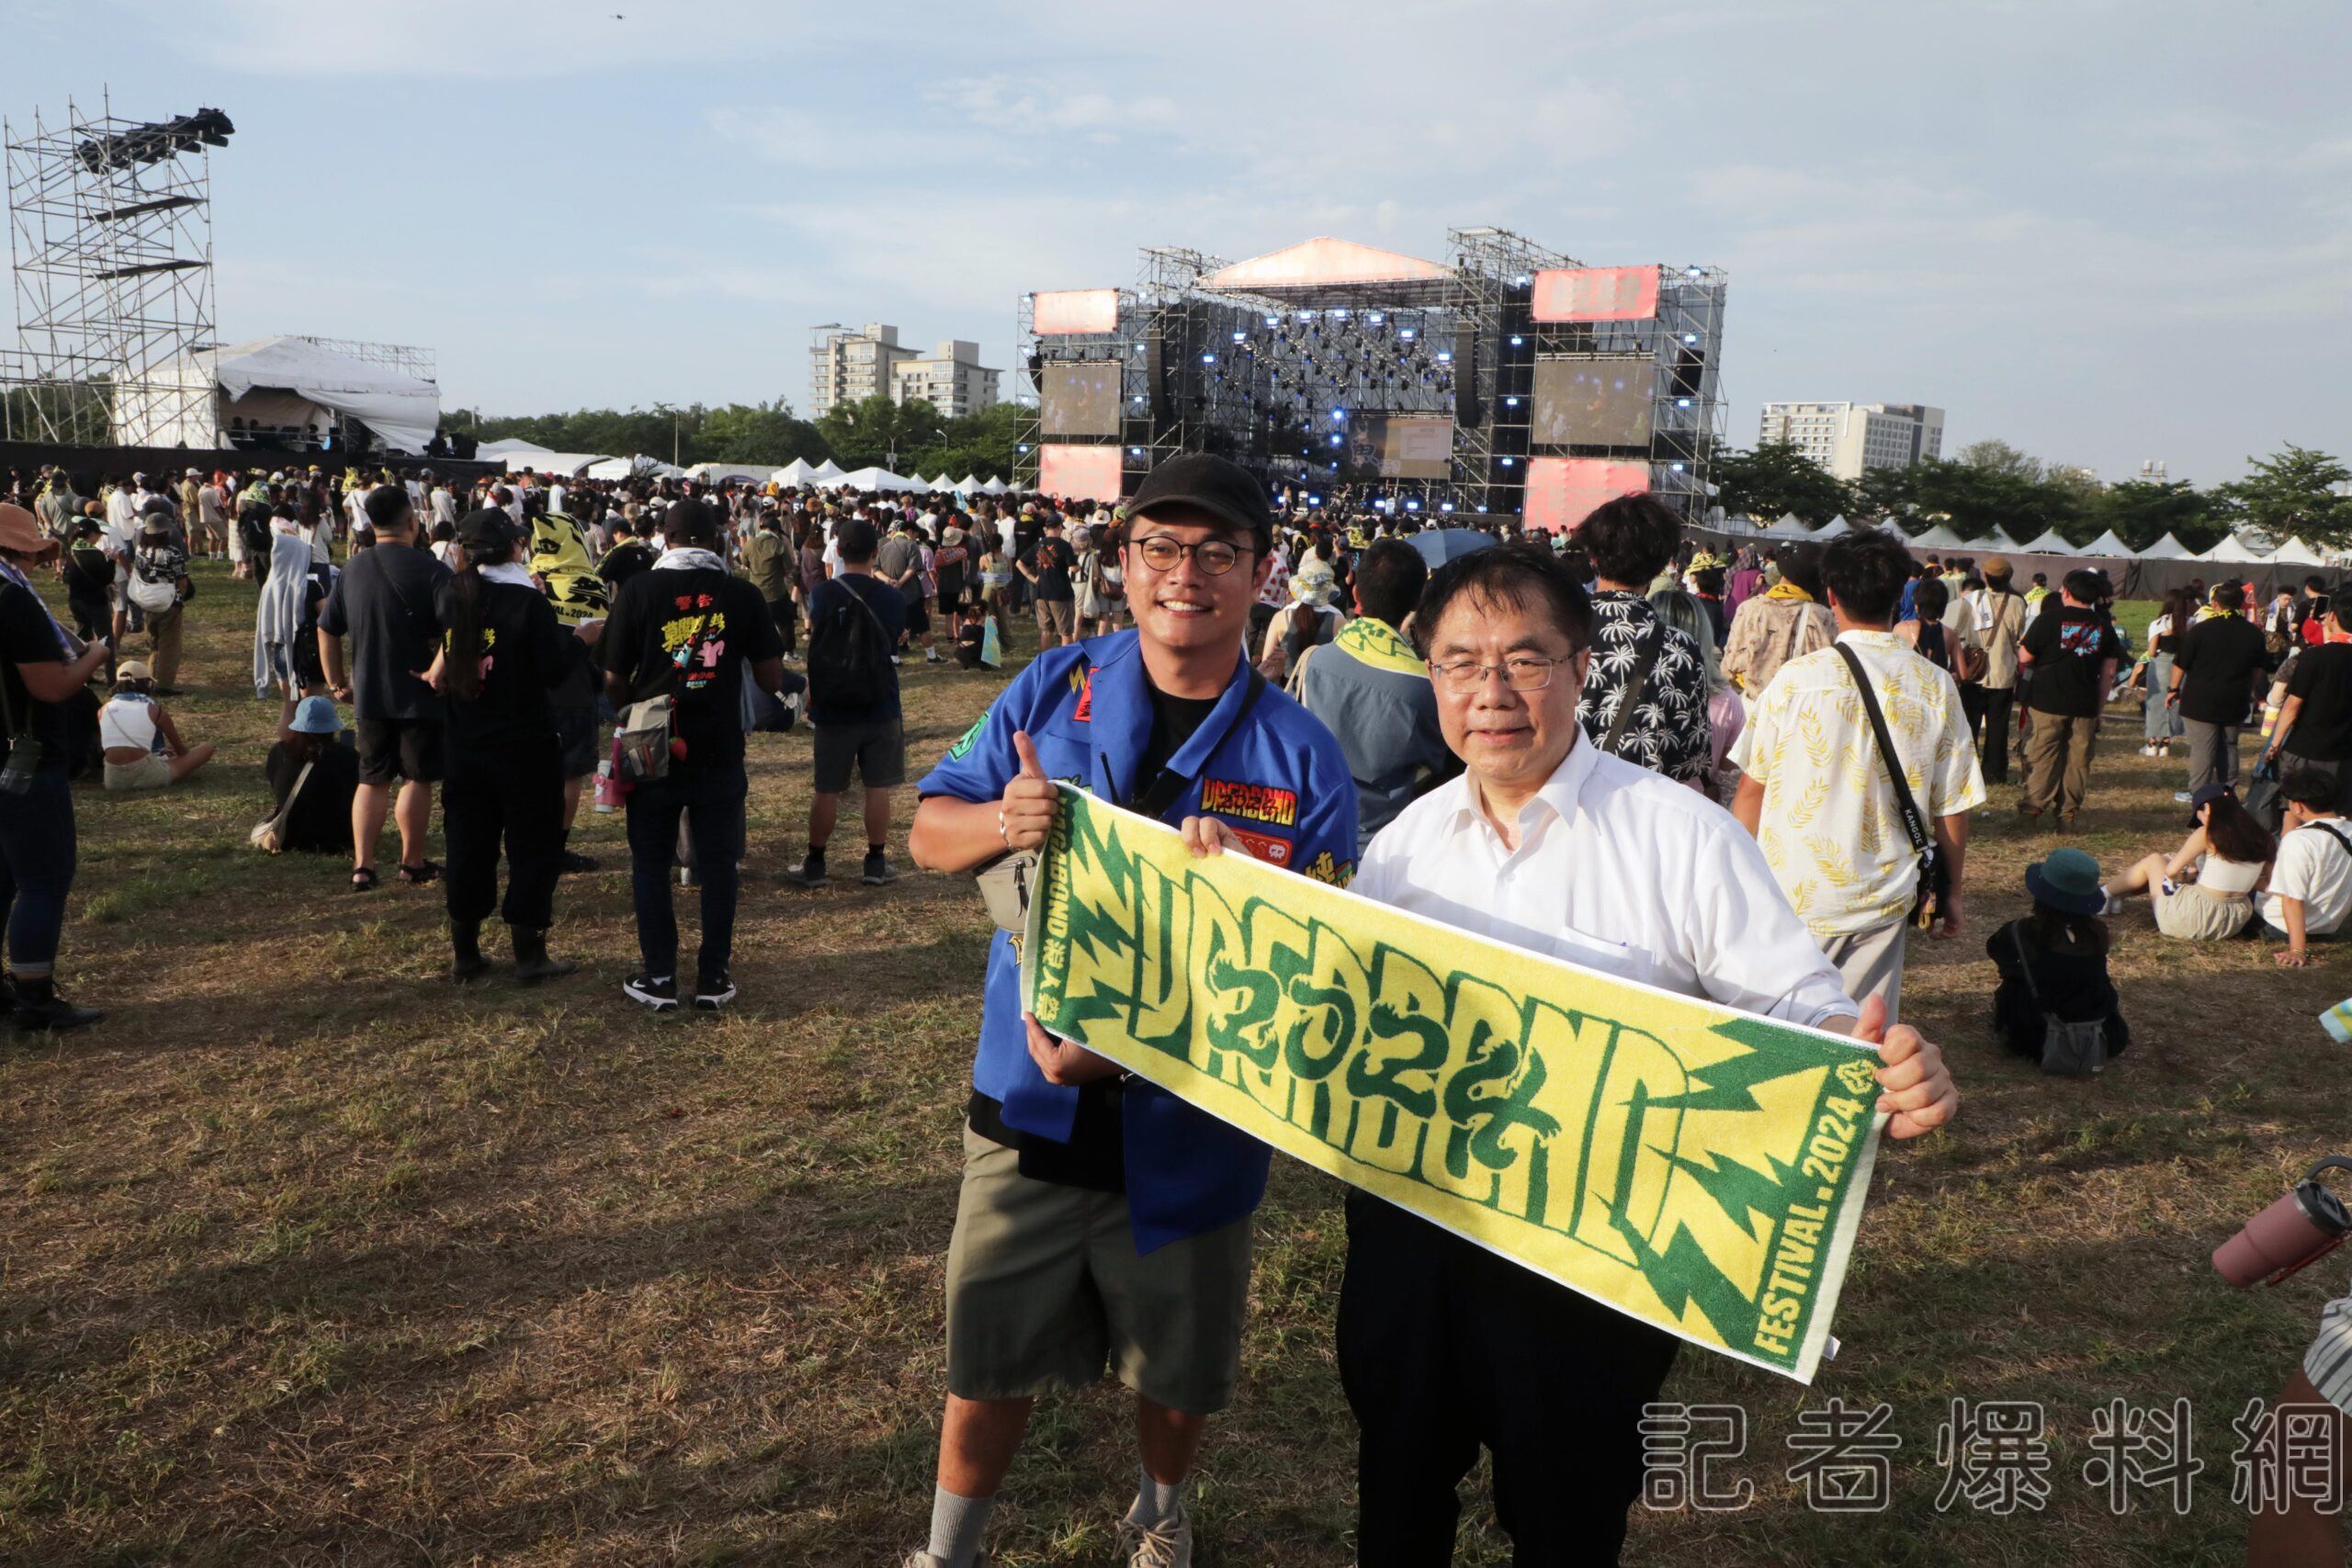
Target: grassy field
306 1258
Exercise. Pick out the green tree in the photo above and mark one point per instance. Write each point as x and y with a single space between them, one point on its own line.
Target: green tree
875 431
2296 494
1888 494
767 435
2000 457
980 444
1977 498
1776 479
2140 512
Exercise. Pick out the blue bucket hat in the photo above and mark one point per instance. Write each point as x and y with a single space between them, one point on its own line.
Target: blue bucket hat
2068 880
316 716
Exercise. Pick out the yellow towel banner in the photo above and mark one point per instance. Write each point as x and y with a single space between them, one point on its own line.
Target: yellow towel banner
1699 1169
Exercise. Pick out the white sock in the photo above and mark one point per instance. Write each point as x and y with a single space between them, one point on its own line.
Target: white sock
959 1525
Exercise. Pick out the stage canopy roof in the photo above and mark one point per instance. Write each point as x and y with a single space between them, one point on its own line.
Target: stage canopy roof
285 381
1336 271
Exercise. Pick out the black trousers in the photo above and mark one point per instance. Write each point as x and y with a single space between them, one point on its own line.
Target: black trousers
1992 746
1444 1348
513 792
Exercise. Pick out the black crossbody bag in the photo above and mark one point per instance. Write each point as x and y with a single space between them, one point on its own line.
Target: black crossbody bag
1935 872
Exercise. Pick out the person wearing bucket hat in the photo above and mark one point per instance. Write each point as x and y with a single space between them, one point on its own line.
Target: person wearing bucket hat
1311 619
313 777
2052 963
143 745
42 668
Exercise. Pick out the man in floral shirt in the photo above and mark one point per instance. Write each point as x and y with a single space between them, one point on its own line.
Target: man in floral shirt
1630 541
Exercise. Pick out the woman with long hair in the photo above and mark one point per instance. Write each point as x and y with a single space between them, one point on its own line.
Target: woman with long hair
2161 720
1726 713
503 654
2226 852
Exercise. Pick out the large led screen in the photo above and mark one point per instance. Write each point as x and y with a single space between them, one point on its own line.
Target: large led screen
1592 400
1080 397
1595 294
1400 447
1563 491
1079 473
1075 311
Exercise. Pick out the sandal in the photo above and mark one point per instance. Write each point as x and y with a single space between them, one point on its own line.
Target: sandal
418 876
363 881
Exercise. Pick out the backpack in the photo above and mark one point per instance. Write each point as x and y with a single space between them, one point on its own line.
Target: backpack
2068 1050
849 654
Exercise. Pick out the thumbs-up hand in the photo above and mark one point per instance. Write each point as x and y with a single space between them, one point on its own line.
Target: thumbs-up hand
1025 815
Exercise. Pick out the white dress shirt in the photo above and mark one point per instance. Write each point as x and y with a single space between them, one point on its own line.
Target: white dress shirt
1620 870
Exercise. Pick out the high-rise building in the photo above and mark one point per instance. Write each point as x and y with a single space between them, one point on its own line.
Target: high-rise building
951 378
848 367
1846 438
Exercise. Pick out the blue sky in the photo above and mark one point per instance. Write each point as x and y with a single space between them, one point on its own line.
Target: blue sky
2101 231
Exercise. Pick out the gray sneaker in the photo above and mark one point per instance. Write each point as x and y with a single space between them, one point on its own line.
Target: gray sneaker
1167 1544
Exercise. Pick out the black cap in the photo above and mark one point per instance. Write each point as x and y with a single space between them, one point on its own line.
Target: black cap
1207 483
487 527
857 539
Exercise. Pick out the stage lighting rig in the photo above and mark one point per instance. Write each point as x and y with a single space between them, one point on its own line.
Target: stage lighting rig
155 140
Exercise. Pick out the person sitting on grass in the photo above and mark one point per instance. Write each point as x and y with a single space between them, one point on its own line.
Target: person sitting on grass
144 748
309 735
2226 850
2054 961
2310 881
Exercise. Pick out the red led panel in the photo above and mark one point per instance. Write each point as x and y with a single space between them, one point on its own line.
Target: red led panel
1078 311
1561 492
1079 473
1595 294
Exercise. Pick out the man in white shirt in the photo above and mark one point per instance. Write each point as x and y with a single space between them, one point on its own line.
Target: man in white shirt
1816 792
2310 882
1549 845
444 500
555 495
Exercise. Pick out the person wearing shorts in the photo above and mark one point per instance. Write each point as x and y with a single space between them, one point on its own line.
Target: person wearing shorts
866 736
1048 566
1102 1223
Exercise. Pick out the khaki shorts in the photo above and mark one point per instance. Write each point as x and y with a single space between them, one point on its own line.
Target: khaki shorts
1058 616
1046 1290
151 772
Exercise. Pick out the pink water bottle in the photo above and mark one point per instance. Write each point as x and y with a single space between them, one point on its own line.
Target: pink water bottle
2307 1224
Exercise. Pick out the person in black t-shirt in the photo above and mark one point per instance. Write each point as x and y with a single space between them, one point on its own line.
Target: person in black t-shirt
1047 567
2314 729
502 655
686 629
627 557
2214 664
39 672
384 601
859 612
2070 653
309 736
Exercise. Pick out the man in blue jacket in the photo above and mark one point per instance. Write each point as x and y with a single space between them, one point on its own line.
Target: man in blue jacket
1103 1222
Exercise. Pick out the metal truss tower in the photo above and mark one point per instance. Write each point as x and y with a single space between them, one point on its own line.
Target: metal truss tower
110 233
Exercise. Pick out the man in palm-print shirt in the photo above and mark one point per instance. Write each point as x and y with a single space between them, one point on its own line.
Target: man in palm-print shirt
1631 540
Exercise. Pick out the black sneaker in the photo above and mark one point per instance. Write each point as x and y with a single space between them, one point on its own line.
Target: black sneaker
879 871
714 993
660 995
51 1014
573 863
810 872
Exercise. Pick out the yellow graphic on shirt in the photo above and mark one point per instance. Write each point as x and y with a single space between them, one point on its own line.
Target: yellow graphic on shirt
1698 1168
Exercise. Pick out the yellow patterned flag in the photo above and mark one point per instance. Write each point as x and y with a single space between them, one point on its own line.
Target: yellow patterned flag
1699 1169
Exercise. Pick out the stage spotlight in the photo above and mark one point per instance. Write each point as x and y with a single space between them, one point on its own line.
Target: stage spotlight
1139 397
1697 271
1445 506
1689 337
1676 466
1444 356
1522 281
1516 340
1682 402
1339 413
1405 331
1507 462
1135 451
1241 337
1412 506
1339 315
1023 447
1140 347
1337 440
1375 318
1208 360
1306 315
1510 402
1273 320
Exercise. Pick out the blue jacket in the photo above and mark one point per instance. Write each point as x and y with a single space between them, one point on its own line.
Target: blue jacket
1279 779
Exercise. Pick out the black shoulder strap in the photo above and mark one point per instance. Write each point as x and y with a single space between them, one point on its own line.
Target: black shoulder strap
1170 785
1635 689
1913 823
2332 833
2025 965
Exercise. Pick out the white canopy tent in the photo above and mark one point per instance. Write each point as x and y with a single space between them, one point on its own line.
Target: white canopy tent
796 475
2294 552
1995 542
1832 528
878 479
2106 544
718 473
2167 548
1790 527
826 472
2234 550
626 467
967 485
507 447
545 462
995 486
1938 537
2052 542
291 382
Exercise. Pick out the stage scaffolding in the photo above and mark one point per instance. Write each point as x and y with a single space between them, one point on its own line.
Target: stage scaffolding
111 234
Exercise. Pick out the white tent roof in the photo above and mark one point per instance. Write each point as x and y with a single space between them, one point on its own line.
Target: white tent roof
724 471
402 409
2234 550
1995 541
878 479
995 486
624 467
828 470
2167 548
2294 552
547 462
508 447
2052 542
967 485
1936 539
2106 544
797 474
1832 528
1791 526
